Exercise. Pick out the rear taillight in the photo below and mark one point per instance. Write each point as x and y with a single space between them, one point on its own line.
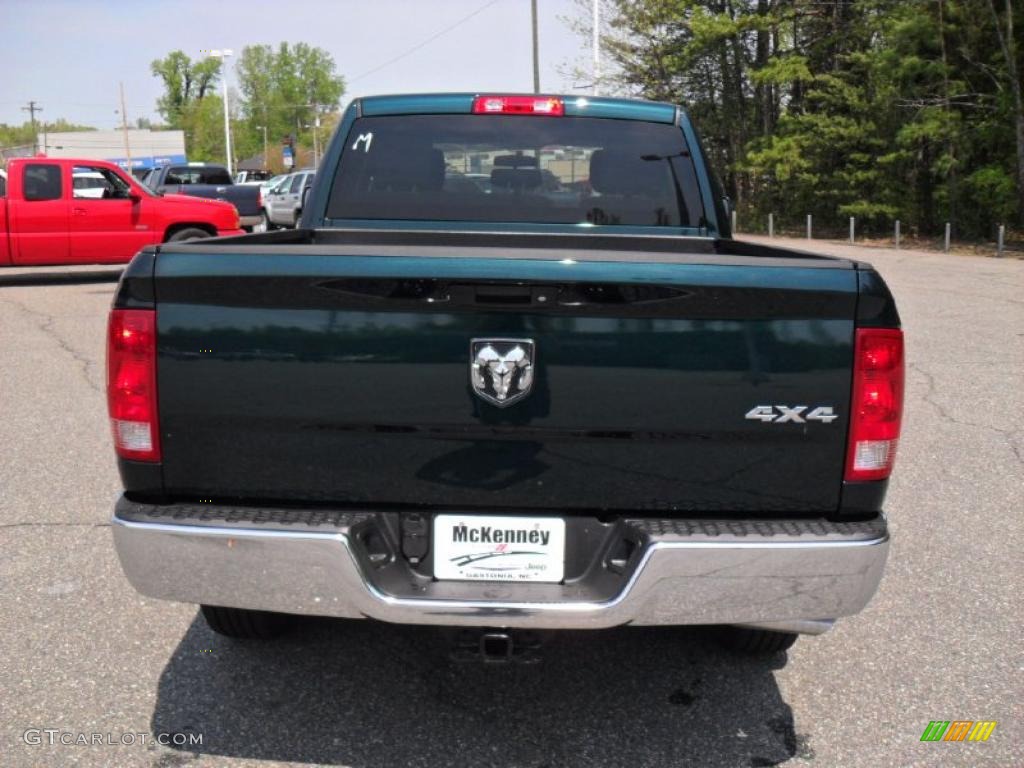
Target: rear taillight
131 383
877 405
518 105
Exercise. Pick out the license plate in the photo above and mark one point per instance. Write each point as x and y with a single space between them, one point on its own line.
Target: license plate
472 548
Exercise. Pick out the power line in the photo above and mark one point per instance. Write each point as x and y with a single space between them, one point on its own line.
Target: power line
429 40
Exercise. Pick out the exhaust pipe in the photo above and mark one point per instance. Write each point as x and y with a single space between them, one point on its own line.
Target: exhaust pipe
799 626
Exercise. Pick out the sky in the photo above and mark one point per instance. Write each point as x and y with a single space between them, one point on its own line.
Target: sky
70 55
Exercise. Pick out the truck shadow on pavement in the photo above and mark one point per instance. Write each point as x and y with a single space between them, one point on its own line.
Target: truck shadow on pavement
367 694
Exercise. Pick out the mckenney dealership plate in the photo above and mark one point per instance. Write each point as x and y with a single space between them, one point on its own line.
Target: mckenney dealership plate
469 547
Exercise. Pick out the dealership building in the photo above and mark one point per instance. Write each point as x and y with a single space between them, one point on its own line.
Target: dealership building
148 148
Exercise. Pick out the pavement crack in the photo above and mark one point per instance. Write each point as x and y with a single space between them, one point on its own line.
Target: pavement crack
929 397
945 415
46 326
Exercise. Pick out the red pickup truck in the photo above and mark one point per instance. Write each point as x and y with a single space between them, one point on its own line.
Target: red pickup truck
66 211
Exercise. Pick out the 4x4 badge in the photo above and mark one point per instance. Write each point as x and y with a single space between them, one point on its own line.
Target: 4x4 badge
501 370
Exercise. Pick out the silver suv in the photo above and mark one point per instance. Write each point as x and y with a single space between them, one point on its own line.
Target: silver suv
284 203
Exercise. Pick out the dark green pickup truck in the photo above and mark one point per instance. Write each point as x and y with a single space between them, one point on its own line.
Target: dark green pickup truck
511 372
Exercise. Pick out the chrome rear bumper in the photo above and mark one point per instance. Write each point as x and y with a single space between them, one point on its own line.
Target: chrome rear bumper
790 575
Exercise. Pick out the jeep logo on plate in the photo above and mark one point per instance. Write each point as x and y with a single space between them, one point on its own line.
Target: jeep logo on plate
501 370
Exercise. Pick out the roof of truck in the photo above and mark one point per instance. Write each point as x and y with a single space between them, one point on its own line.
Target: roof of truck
41 158
575 105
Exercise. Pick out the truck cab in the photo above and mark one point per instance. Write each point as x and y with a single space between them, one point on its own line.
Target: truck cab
71 211
213 182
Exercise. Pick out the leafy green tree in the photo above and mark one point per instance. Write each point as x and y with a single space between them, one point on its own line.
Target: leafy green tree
285 90
880 109
185 82
189 102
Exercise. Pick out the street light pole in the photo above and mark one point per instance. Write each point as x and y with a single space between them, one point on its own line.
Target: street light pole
597 46
124 129
536 51
223 56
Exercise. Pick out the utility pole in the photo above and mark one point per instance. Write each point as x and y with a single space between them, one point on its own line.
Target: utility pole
315 158
536 51
266 157
124 128
32 109
314 126
266 148
316 136
597 45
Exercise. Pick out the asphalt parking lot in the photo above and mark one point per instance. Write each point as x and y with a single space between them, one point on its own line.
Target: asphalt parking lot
81 652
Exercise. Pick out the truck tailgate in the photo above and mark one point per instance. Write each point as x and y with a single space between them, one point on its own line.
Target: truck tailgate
342 375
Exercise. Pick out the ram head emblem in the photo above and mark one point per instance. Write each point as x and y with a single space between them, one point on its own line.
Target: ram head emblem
501 370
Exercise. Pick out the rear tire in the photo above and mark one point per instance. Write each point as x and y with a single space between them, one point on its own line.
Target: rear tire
756 642
189 233
243 624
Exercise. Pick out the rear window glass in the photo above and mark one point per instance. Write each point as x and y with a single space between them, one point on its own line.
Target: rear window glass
197 176
497 168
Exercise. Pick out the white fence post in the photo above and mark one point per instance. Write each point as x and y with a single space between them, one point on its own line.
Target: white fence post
897 233
808 226
1002 235
852 225
946 248
771 225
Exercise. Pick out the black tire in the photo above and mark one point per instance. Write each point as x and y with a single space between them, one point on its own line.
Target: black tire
189 233
756 642
243 624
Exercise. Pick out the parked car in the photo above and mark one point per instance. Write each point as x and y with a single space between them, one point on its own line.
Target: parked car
272 183
501 411
284 203
53 212
266 189
147 176
456 182
90 184
210 181
253 177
